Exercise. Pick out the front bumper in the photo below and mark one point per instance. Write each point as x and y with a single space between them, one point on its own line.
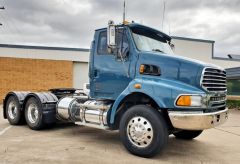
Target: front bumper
197 120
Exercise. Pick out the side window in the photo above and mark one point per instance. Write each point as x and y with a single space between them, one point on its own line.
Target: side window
122 42
122 39
102 44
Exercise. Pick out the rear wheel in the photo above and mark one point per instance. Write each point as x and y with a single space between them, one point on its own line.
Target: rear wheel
143 131
34 114
187 134
13 111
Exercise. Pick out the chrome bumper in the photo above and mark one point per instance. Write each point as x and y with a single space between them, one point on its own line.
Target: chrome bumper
197 120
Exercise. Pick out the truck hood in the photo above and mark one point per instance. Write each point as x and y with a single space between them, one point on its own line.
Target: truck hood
175 67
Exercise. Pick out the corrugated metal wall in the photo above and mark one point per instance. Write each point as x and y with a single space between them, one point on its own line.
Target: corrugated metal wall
233 73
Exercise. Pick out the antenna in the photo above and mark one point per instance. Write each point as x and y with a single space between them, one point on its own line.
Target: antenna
163 14
124 11
2 8
169 29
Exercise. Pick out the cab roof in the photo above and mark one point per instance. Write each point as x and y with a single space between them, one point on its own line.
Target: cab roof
146 31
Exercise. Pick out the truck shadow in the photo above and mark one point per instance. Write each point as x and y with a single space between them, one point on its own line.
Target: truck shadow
177 148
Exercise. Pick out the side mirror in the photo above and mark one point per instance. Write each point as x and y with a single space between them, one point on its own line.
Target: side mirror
111 36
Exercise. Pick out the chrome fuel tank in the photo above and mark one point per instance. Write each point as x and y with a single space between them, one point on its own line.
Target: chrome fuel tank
90 112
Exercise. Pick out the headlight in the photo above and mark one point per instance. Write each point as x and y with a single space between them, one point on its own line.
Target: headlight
190 101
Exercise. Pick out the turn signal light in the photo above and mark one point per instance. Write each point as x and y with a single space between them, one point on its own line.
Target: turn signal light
184 100
138 86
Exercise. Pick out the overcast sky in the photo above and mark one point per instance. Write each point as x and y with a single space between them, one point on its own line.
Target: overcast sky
71 23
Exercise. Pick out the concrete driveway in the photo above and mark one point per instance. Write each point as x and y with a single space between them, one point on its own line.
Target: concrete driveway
67 143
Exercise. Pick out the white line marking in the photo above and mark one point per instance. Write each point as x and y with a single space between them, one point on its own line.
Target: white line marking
4 130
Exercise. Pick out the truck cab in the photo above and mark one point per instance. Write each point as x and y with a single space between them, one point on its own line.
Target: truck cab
137 86
141 62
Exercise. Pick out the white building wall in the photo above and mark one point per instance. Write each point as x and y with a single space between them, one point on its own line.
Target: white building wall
202 51
80 74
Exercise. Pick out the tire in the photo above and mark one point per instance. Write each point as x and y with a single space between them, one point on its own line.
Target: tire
143 131
13 111
187 134
33 114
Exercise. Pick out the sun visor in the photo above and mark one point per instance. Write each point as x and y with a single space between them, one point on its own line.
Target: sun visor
149 32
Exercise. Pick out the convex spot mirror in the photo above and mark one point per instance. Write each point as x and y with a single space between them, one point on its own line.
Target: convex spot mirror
172 46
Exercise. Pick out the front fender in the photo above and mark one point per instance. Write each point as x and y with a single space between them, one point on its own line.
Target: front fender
162 91
147 87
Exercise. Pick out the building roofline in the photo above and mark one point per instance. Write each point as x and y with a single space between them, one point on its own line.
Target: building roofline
233 68
192 39
86 49
221 58
43 47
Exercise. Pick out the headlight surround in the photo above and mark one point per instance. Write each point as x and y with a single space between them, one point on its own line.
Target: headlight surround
190 101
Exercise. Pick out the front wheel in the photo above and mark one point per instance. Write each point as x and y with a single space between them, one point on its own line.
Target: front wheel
143 131
187 134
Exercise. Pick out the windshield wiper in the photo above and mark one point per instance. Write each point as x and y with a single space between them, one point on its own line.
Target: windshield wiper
158 50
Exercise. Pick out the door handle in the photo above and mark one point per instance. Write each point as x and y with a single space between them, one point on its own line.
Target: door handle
95 73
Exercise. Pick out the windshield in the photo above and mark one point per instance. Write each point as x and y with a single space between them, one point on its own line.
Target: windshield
145 43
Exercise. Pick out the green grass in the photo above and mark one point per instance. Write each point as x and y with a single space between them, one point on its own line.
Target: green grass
233 104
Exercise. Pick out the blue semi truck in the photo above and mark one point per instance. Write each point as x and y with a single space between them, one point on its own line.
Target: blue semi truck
137 86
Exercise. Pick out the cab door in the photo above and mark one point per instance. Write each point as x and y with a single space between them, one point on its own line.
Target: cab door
110 71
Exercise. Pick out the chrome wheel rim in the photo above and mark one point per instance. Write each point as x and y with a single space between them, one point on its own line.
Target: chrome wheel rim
32 113
140 131
12 110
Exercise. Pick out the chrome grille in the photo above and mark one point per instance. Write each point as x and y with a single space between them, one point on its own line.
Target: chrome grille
214 80
218 101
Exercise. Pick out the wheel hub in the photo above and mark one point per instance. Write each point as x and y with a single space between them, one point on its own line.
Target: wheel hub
32 113
140 131
12 110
